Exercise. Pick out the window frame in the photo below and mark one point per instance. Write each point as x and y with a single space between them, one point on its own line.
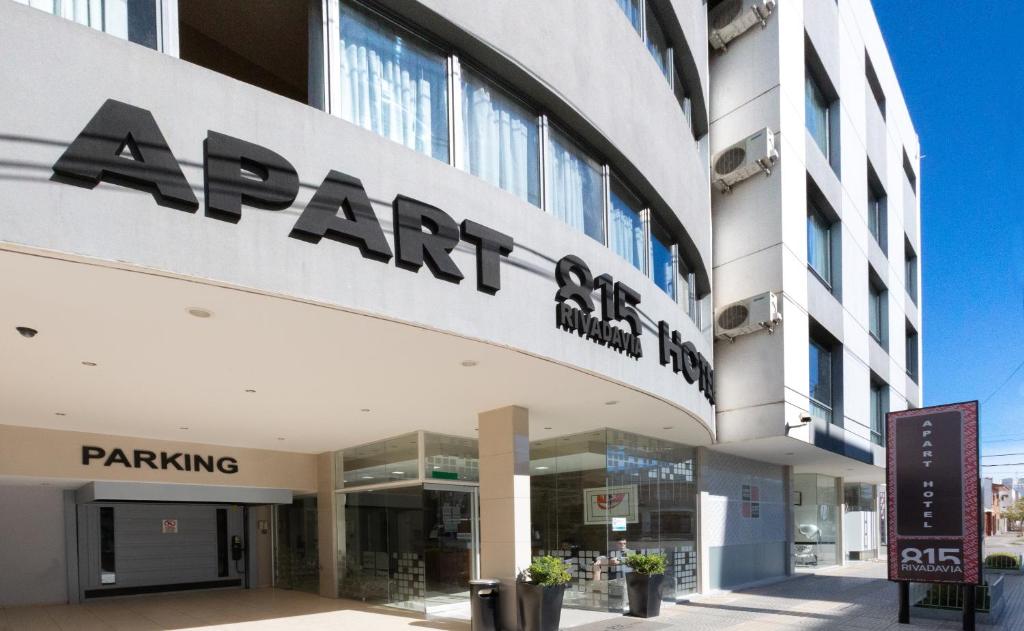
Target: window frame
814 213
829 407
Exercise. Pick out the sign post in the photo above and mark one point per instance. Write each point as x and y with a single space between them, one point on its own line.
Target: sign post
933 500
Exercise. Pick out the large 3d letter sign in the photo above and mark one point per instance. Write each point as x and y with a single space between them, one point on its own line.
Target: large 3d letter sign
933 494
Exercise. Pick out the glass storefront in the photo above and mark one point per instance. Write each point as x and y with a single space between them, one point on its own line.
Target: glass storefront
601 495
296 549
815 512
407 521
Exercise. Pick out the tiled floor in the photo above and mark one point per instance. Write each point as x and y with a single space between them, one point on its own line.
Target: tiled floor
851 598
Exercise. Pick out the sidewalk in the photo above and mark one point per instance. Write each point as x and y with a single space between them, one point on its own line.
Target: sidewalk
856 597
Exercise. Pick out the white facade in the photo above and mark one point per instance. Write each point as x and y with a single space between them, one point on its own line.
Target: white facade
172 327
761 240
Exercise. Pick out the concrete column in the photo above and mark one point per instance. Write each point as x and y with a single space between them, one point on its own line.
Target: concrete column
703 550
840 523
505 501
787 495
326 525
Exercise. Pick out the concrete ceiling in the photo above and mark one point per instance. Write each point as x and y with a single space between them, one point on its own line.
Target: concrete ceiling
322 378
804 458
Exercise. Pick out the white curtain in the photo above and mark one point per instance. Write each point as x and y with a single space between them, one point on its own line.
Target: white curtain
392 86
574 189
626 232
500 139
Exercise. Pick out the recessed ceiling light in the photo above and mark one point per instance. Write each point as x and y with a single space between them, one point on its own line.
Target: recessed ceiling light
436 467
199 312
61 413
366 477
542 468
26 331
88 363
250 390
610 402
398 473
469 363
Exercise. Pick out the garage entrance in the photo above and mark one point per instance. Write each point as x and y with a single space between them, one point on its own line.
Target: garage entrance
139 548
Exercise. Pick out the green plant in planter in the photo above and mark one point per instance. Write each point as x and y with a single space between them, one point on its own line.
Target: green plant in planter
646 563
546 572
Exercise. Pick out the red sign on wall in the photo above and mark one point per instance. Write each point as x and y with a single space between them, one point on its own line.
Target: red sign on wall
933 503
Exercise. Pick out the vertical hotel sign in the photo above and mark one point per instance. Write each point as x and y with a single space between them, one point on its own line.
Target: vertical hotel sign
932 495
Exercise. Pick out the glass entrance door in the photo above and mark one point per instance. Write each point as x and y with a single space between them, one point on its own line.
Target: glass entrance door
449 518
412 547
296 549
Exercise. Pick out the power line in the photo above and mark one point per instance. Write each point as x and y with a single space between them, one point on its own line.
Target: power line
1017 453
996 391
1004 464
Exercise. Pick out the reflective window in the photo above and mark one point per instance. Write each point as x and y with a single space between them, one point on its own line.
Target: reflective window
878 410
819 245
821 381
133 20
500 138
817 114
632 10
662 269
876 312
876 215
815 518
657 43
382 461
911 353
574 187
392 84
598 496
625 227
910 272
451 457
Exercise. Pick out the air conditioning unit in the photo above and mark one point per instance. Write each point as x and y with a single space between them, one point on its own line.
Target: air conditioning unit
748 316
755 154
733 18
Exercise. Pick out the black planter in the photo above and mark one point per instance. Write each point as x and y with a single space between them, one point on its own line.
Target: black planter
644 594
540 608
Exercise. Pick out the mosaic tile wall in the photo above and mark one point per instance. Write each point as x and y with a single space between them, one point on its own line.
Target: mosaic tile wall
727 511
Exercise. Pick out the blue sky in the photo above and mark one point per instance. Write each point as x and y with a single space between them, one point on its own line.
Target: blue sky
961 66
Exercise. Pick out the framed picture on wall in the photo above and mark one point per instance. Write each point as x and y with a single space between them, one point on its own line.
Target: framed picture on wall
602 503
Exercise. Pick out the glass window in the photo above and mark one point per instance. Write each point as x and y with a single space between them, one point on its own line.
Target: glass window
393 85
133 20
657 43
876 312
662 269
500 138
821 381
819 245
911 274
574 187
816 114
878 410
451 457
815 516
632 10
912 353
625 227
876 216
383 461
679 88
688 292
